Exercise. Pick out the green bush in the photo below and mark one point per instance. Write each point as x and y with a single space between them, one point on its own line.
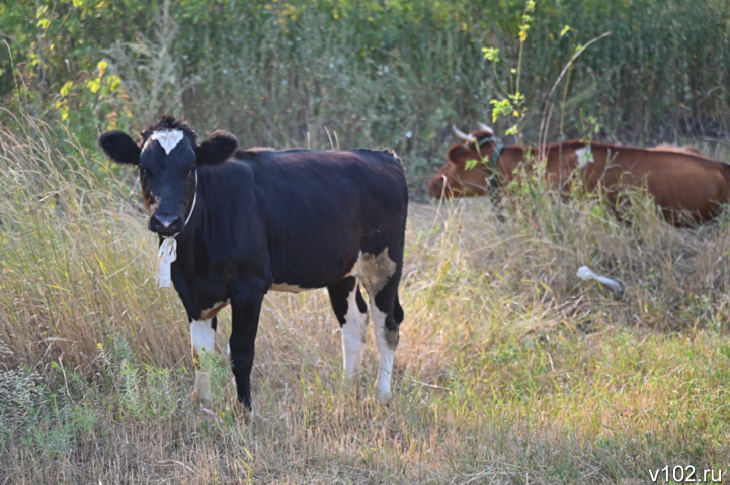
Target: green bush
394 73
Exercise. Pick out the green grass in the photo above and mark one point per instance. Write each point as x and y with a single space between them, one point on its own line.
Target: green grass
510 369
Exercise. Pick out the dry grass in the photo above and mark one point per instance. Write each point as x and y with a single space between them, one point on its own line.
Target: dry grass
510 370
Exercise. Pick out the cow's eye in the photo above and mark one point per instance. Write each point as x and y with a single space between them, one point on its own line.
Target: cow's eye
190 172
144 172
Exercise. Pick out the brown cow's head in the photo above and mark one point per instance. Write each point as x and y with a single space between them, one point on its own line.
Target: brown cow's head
454 180
168 158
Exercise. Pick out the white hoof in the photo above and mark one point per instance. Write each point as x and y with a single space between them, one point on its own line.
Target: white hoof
201 390
383 396
201 399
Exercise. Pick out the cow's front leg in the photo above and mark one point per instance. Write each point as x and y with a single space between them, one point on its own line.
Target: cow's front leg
246 304
202 338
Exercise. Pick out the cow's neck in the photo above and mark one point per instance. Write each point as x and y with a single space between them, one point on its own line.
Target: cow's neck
510 157
167 253
185 238
190 270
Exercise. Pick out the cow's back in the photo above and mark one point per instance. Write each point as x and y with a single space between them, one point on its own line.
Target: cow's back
679 181
319 210
313 184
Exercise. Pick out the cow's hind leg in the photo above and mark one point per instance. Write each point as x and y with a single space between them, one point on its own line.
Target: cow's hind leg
380 275
352 313
202 339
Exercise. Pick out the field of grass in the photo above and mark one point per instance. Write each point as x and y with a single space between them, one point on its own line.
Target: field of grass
510 368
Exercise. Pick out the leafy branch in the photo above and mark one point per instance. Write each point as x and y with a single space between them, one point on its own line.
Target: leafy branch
512 105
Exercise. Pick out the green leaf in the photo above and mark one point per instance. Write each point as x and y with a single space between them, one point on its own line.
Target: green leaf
113 82
66 88
102 67
518 97
565 30
94 85
500 108
491 53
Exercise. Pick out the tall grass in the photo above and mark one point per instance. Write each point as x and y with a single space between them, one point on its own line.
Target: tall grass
510 369
76 267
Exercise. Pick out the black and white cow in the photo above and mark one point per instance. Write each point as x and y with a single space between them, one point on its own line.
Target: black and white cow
249 221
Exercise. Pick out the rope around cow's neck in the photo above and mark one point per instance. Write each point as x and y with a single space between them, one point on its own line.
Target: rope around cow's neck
493 161
493 165
168 249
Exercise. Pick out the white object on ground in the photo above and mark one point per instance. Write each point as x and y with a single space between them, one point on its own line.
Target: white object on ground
586 274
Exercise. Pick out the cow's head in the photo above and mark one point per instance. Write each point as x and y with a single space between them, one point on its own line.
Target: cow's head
167 158
454 179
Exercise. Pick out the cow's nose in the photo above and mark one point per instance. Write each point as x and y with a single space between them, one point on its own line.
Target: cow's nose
165 223
435 187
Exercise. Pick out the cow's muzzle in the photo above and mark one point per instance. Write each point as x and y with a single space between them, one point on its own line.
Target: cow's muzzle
166 224
436 187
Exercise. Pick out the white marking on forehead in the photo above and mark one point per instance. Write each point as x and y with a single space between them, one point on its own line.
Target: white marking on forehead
168 139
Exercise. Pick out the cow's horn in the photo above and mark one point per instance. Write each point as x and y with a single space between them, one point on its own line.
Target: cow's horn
484 127
463 136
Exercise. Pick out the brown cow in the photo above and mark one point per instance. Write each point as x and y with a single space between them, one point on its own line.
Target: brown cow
665 147
681 182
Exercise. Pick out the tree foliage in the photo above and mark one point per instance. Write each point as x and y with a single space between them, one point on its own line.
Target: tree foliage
274 71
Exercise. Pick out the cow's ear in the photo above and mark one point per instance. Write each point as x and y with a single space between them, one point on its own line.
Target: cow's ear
120 147
459 155
217 148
